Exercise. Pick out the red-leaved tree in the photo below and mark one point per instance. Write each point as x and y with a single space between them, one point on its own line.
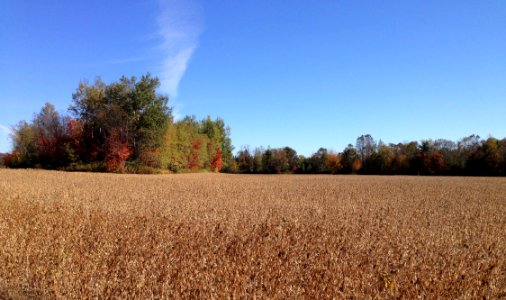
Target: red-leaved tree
12 159
117 151
193 162
217 162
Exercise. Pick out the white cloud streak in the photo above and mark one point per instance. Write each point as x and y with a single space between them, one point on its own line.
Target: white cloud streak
4 130
180 23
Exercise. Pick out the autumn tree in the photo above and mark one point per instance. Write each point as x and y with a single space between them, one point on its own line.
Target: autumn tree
292 159
333 163
318 162
448 150
365 146
258 164
429 161
487 159
268 161
380 161
219 145
245 161
24 152
404 158
127 124
349 159
466 147
129 105
226 143
51 137
117 150
217 162
177 146
279 161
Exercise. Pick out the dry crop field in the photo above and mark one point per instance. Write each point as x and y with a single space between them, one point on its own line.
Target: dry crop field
216 236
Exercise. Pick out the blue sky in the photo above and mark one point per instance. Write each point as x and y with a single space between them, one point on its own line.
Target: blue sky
297 73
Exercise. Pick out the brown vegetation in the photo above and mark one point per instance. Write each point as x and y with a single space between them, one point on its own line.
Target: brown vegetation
215 236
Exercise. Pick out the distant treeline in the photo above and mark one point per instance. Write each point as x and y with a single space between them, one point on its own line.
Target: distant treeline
125 126
469 156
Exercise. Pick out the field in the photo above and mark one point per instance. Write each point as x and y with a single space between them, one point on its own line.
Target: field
216 236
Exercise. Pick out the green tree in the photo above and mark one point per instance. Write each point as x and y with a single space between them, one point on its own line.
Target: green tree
258 160
318 161
380 161
24 141
349 158
226 143
292 159
133 107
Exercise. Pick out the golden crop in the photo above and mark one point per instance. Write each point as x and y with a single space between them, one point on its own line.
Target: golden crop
216 236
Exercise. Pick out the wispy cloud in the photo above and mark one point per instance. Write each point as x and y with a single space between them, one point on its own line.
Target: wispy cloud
4 130
180 23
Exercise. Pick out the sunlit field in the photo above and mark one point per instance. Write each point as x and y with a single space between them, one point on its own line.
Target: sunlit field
216 236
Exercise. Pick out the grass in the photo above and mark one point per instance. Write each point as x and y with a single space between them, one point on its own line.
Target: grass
215 236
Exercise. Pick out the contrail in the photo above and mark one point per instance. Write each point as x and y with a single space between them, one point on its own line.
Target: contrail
180 24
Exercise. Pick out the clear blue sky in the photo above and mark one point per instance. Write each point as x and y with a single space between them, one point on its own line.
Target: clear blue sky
298 73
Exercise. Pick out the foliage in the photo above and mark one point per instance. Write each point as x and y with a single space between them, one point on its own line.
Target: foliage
119 123
129 105
469 156
195 145
133 167
88 167
128 123
217 163
117 151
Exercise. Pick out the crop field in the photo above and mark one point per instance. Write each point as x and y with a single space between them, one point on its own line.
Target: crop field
217 236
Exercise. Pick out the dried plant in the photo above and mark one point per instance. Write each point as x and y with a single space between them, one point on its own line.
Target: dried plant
215 236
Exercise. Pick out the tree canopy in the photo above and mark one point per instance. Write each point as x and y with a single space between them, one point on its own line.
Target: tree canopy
127 126
469 156
119 126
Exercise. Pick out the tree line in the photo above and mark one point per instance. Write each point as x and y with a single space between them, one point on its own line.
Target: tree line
468 156
124 126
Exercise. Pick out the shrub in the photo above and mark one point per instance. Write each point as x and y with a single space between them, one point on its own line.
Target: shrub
88 167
